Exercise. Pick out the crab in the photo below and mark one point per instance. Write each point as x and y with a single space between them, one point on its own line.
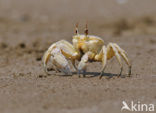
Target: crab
85 48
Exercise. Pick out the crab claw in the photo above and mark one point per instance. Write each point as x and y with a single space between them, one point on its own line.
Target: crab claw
61 63
58 61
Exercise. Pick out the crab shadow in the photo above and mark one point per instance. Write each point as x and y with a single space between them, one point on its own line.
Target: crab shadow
89 74
96 74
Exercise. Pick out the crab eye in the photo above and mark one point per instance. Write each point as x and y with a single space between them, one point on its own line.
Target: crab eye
76 29
86 30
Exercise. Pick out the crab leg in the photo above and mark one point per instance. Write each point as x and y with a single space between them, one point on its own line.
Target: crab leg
124 56
108 53
73 63
104 60
82 65
117 56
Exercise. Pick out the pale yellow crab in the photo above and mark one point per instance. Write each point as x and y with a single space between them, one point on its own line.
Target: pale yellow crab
85 48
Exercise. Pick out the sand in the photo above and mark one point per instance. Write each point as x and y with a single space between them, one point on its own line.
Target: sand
28 28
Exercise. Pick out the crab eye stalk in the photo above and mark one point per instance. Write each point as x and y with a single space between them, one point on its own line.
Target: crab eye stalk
76 29
86 30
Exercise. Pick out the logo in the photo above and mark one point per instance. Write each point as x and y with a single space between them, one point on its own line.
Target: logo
137 106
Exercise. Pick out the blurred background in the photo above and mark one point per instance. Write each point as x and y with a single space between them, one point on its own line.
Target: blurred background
76 9
105 17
